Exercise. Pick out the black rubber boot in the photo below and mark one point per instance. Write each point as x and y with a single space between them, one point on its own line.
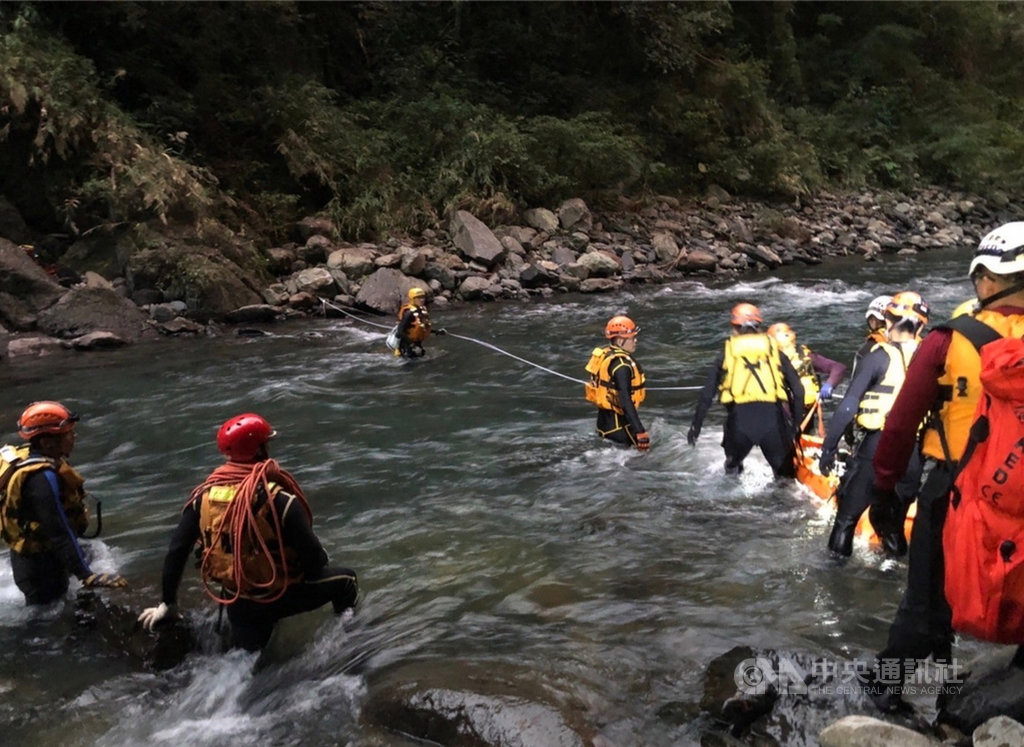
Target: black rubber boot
841 540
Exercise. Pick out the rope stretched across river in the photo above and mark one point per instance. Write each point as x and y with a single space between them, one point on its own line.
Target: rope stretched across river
496 349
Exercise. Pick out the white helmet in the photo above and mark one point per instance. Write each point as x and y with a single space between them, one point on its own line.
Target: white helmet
1001 252
877 308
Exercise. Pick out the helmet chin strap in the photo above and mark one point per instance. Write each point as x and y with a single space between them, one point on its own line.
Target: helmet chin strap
983 302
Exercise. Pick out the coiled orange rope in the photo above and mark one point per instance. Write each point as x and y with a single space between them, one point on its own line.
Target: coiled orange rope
240 522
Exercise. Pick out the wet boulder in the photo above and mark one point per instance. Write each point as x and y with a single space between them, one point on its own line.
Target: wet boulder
865 731
118 626
467 706
991 687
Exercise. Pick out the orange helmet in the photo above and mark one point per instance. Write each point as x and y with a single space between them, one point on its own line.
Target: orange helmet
620 326
241 437
45 417
782 334
746 315
907 306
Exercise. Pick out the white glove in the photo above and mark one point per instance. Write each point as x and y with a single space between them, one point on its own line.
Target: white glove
152 615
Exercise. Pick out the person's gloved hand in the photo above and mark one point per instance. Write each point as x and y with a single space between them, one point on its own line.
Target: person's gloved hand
152 615
643 441
693 434
826 462
441 331
826 391
108 580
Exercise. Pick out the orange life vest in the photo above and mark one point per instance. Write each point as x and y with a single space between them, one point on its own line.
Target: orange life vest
960 386
419 329
262 575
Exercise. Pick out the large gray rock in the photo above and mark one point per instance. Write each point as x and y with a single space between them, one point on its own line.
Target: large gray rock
386 290
599 264
864 731
475 240
354 261
84 310
206 279
25 289
315 280
573 214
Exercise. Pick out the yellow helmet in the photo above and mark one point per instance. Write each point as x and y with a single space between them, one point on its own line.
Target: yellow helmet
907 306
416 292
782 334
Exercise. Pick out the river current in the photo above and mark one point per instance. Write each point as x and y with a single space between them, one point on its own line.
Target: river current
491 529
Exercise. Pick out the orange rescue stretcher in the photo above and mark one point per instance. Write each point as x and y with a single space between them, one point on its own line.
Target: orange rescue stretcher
824 488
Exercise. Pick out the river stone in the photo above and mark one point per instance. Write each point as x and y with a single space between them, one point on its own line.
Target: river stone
354 261
474 239
476 288
573 214
997 732
36 345
600 264
541 219
991 687
468 705
98 341
666 249
865 731
386 290
84 310
258 312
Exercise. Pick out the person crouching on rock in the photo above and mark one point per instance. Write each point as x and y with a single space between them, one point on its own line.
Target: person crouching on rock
258 554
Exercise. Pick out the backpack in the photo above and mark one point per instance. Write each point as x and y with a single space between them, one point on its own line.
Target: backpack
983 536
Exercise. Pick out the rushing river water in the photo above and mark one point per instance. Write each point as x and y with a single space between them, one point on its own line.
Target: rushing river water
491 529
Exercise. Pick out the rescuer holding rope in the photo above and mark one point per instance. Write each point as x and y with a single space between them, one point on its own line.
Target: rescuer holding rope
258 554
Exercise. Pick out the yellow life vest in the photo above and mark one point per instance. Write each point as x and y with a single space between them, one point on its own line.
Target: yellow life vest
22 533
601 389
262 576
419 329
800 357
960 386
753 370
878 400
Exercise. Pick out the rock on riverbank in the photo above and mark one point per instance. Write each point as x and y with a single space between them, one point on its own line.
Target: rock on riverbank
121 287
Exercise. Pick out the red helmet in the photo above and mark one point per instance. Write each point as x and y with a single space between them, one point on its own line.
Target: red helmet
620 326
746 315
45 417
241 437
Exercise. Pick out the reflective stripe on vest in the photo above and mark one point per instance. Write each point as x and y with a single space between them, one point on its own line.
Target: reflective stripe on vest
878 400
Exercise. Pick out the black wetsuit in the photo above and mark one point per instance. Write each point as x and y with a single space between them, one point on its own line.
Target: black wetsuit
252 622
43 576
767 425
854 494
621 429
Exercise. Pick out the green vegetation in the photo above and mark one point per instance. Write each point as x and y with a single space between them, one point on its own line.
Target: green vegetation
386 116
